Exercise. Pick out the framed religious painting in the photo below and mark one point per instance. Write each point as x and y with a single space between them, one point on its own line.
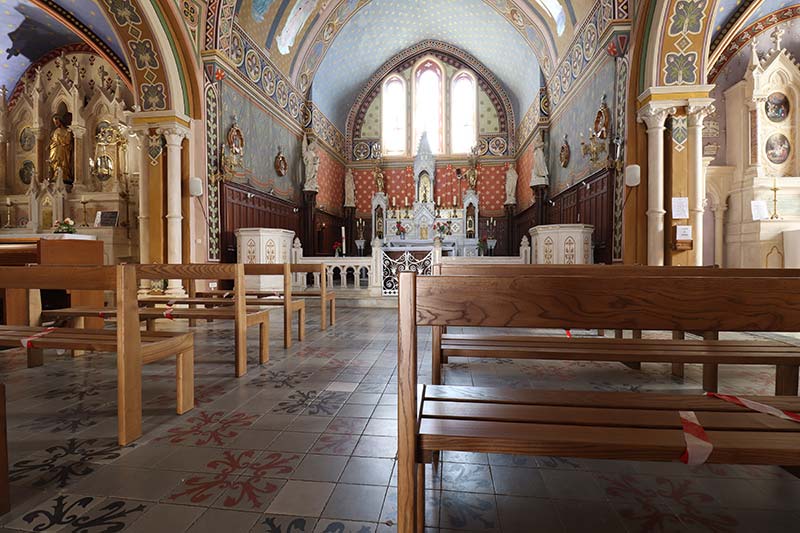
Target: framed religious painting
778 148
777 107
27 139
281 165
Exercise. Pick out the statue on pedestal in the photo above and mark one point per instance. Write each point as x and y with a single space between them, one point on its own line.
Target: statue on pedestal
59 152
540 174
311 161
380 179
511 186
349 189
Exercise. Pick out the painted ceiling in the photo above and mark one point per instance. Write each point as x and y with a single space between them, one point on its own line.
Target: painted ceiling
729 14
30 32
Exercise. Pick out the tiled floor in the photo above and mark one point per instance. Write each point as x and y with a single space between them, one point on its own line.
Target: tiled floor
306 444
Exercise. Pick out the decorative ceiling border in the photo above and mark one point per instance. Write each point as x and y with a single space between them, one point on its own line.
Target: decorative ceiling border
748 34
94 40
263 76
729 25
415 51
307 61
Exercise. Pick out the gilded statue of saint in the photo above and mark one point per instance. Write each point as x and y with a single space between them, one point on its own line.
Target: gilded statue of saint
59 155
380 180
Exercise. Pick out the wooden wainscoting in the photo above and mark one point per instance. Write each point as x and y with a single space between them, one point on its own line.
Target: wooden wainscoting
244 206
589 202
328 230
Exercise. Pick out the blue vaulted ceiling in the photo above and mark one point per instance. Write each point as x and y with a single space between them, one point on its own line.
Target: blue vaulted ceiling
384 28
30 30
729 16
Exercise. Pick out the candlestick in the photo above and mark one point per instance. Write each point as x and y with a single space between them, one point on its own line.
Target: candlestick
8 202
10 205
84 201
454 201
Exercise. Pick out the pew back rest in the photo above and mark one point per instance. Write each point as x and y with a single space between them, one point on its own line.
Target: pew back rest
200 271
682 303
607 270
313 268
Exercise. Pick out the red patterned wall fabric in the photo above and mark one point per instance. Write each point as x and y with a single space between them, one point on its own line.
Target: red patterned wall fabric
331 184
524 169
400 184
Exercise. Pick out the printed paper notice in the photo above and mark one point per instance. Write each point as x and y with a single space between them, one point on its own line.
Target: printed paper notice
759 209
680 208
683 233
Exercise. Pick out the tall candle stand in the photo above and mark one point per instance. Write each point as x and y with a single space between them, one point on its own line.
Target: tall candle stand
84 201
9 208
775 215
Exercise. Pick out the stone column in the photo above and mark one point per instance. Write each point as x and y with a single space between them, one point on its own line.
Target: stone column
80 177
174 137
144 198
654 118
510 228
719 234
697 175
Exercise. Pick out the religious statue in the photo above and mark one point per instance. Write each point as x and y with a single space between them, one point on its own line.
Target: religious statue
540 173
59 152
311 161
471 174
349 189
425 188
511 186
380 179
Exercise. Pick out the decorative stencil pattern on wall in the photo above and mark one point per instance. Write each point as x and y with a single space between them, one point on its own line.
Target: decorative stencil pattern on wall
400 185
525 170
331 184
212 163
682 44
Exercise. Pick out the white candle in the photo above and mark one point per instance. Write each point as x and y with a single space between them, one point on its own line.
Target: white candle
454 200
439 200
344 249
405 200
8 202
83 199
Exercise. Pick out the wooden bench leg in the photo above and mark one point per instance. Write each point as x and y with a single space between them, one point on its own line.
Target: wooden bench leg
406 496
35 357
786 380
5 488
636 334
185 380
323 317
301 324
241 347
443 356
711 370
129 396
263 346
150 324
79 323
333 311
287 327
678 368
436 355
420 498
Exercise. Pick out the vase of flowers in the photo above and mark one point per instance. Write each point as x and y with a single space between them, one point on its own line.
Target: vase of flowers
483 246
64 226
400 230
443 228
337 248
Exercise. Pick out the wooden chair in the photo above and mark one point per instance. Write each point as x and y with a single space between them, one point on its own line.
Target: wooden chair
132 347
242 316
327 298
446 344
614 425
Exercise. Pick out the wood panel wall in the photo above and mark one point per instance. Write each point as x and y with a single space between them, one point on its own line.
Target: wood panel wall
247 207
328 230
589 202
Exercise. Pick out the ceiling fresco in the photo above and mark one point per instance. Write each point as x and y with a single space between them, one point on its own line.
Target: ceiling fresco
28 34
363 45
30 31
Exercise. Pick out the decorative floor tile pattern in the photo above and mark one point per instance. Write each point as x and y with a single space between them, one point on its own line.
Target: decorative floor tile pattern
306 444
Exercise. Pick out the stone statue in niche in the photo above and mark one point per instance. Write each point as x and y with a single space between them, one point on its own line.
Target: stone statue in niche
311 161
59 152
349 189
511 186
540 173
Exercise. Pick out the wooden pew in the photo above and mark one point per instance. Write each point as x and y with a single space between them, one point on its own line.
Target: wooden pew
447 344
242 316
282 297
132 347
610 425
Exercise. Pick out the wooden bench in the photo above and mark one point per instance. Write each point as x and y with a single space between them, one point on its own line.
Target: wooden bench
132 347
709 352
327 298
612 425
283 297
242 316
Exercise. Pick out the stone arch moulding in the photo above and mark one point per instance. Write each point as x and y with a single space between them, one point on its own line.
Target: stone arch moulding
410 55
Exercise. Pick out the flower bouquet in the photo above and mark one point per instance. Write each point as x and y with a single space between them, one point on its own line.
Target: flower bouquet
400 230
337 248
443 228
64 226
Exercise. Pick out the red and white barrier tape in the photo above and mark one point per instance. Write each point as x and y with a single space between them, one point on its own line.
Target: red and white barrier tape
569 333
168 314
27 342
756 406
698 445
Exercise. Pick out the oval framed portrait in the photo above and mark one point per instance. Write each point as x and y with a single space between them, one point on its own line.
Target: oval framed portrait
27 139
27 171
777 107
778 148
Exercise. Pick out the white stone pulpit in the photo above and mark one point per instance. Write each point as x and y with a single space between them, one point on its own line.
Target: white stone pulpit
264 246
562 244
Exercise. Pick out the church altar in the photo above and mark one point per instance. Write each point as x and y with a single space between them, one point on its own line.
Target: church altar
415 226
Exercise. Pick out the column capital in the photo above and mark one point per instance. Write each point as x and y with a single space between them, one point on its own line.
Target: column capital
174 135
698 111
654 115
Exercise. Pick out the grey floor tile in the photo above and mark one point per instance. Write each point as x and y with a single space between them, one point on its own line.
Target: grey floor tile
302 498
368 471
217 520
355 502
165 518
320 468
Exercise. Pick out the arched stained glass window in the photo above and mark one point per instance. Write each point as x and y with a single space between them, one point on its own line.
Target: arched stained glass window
394 117
463 114
428 105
